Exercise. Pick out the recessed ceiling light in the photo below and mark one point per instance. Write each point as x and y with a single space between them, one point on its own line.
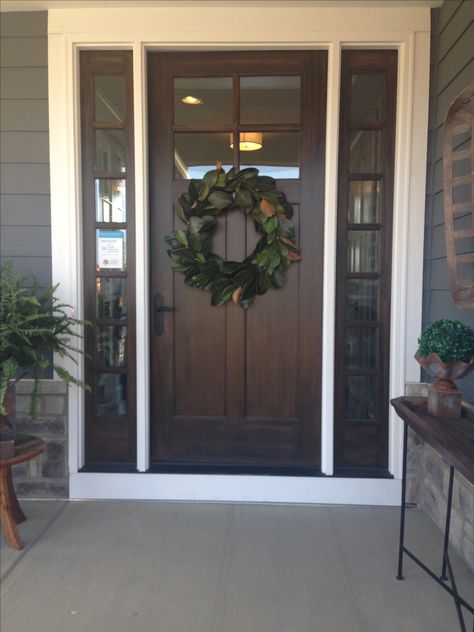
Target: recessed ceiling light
189 100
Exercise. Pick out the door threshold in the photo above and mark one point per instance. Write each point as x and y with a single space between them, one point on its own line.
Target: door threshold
234 469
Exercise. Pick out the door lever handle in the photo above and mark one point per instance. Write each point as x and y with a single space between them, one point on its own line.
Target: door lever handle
158 308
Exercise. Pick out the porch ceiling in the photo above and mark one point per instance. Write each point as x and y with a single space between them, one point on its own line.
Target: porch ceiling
45 5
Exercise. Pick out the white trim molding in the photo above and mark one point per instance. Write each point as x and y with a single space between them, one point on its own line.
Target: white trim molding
279 25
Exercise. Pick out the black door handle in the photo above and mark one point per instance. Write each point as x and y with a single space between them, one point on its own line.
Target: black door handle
158 308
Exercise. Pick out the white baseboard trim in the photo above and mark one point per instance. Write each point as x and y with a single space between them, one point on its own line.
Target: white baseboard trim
236 488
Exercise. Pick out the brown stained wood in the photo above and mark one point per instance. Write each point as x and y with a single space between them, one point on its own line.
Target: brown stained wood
452 438
107 439
228 386
459 123
364 444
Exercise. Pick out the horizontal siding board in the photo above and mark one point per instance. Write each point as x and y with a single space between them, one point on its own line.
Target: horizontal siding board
439 274
437 216
24 83
24 147
448 95
457 58
455 28
24 24
25 178
443 306
18 115
23 52
39 266
31 241
438 242
25 210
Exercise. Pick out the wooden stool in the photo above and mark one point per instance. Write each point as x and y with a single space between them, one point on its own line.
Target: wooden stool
27 447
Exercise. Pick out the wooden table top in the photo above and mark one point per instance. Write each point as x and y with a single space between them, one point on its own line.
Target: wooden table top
452 438
26 448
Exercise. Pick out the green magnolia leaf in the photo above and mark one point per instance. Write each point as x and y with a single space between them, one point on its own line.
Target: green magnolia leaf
210 178
181 236
221 179
195 225
265 183
271 224
271 237
195 242
203 192
278 278
243 199
180 213
220 199
286 228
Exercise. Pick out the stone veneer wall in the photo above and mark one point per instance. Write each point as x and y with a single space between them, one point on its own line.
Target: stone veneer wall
427 478
47 475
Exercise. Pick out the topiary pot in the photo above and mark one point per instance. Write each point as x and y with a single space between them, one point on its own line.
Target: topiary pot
444 372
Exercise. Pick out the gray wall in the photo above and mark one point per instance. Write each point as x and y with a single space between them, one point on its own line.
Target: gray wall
25 218
452 69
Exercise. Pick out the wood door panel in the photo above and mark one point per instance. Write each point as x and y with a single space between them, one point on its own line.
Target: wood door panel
232 387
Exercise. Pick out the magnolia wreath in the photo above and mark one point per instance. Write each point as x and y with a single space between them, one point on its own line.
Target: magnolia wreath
266 265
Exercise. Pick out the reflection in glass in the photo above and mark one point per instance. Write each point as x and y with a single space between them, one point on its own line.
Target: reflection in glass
362 251
111 249
194 154
111 345
270 99
279 156
109 98
110 200
360 398
110 150
210 102
364 153
111 297
111 394
361 347
366 98
361 299
364 202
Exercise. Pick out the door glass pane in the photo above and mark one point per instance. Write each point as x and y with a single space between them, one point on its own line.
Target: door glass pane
364 156
111 394
361 348
203 100
366 98
278 157
270 100
111 298
361 299
110 200
360 398
111 249
109 100
111 345
362 251
110 150
364 202
194 154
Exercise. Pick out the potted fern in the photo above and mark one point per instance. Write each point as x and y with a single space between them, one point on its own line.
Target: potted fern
34 326
446 352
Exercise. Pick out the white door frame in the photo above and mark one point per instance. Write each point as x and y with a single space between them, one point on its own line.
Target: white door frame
404 28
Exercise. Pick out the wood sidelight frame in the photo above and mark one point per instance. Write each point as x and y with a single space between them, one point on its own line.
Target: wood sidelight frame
110 439
361 444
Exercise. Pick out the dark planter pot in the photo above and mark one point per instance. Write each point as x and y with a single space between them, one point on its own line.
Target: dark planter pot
444 398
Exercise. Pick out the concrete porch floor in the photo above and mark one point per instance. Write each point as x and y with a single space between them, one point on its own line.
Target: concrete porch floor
123 566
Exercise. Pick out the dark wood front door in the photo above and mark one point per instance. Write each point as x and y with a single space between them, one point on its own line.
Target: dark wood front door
235 388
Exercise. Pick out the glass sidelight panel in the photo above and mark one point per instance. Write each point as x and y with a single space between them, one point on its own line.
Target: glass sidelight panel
110 201
361 299
109 98
364 202
111 298
270 100
194 154
110 150
112 400
278 157
111 249
203 101
363 250
361 349
366 98
360 398
112 346
364 151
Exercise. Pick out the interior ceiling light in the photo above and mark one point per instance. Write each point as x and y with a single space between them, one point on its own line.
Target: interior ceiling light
249 141
189 100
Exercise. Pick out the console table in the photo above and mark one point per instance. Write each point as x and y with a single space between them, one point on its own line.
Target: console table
453 439
27 447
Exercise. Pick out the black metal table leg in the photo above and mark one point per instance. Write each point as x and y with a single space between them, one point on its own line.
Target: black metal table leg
403 503
448 523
